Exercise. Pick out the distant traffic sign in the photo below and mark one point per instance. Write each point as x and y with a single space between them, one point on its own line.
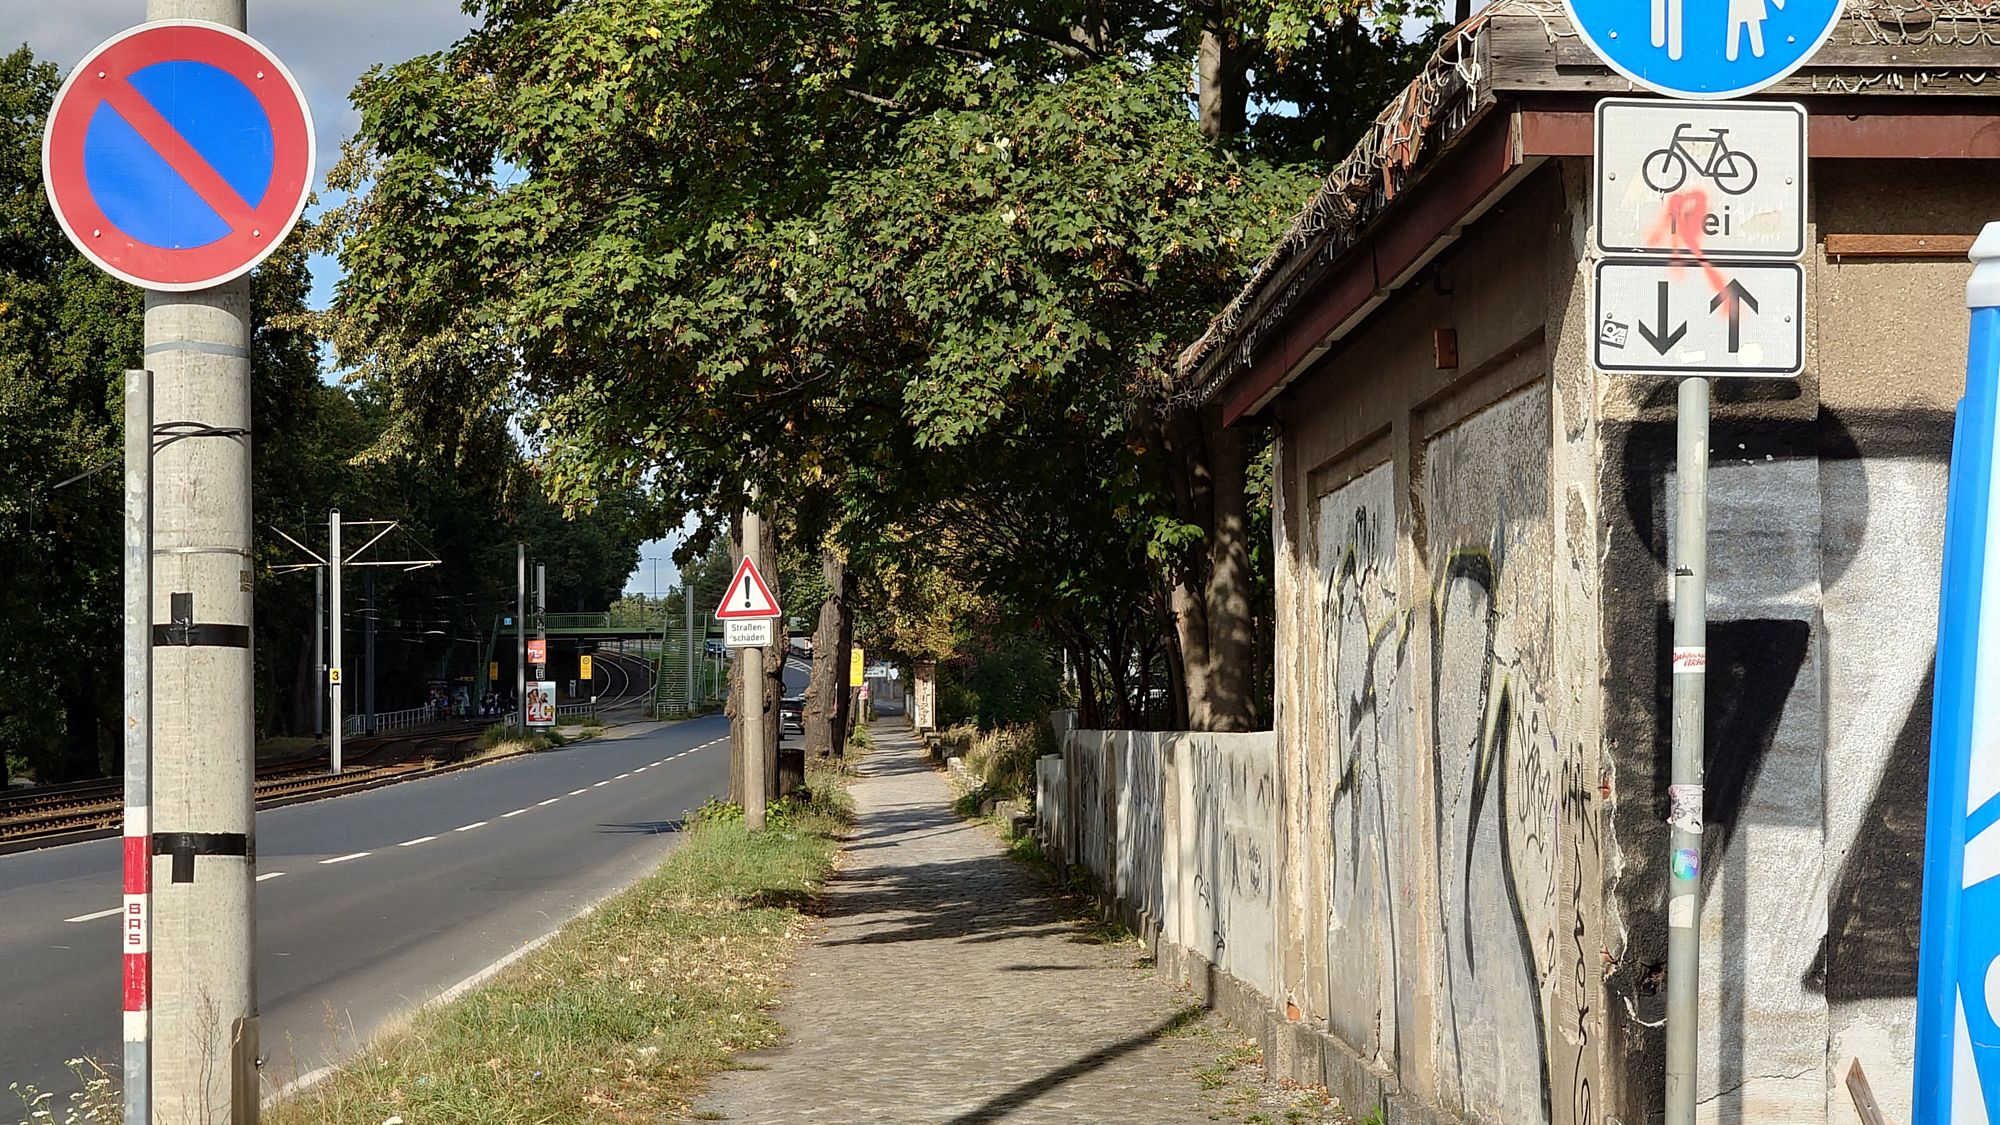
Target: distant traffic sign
1728 50
178 155
1718 318
747 596
1701 180
583 671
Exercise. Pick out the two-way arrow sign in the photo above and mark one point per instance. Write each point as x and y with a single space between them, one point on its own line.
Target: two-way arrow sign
1667 317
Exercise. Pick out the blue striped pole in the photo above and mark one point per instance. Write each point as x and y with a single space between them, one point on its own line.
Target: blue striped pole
1958 973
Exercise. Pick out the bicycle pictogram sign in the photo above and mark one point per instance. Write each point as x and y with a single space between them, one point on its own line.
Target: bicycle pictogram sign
1698 181
178 155
1707 155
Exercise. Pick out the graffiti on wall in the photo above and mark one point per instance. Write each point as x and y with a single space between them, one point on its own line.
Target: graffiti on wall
1365 647
1510 799
1230 798
1823 575
1497 760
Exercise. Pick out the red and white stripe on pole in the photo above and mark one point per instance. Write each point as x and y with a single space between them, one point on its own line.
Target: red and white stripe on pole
135 937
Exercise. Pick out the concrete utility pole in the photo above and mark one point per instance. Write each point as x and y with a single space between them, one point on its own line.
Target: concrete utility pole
542 619
1684 792
753 697
204 868
687 604
521 637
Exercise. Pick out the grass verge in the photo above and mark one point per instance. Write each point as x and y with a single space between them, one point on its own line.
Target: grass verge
624 1015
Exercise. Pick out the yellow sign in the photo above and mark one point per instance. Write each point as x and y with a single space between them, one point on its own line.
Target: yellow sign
857 663
333 675
584 673
493 670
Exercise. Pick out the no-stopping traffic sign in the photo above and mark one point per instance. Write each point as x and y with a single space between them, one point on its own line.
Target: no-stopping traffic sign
178 155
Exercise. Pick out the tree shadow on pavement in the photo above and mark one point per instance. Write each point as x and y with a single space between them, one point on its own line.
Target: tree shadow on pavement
1001 1104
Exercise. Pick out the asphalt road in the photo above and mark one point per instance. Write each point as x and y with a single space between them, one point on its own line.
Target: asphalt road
367 904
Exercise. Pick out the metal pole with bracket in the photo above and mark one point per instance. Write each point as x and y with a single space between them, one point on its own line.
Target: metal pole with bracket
1684 791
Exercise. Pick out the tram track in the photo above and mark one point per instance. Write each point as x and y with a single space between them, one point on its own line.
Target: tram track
59 813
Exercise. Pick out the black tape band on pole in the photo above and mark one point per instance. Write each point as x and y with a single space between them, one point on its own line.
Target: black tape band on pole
184 846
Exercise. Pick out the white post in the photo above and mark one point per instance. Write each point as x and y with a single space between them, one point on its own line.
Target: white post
134 936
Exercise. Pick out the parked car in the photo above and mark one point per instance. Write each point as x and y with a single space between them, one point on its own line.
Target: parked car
792 713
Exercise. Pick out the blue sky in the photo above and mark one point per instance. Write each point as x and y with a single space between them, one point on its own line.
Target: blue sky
327 47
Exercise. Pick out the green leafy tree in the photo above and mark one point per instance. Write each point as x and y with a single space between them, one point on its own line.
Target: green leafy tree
861 256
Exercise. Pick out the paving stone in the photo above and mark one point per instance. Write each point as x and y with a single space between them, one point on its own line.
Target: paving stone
949 986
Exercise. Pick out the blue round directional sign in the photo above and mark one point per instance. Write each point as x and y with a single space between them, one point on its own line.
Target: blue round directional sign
1704 48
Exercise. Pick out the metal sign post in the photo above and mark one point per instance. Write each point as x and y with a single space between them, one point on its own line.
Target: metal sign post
1684 790
1702 211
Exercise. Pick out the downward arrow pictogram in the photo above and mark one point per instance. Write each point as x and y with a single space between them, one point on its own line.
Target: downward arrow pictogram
1664 339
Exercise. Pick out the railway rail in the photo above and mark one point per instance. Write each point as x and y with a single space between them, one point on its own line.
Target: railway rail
90 806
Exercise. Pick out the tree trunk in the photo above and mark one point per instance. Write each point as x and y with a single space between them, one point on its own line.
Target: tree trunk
1223 103
843 697
1211 588
823 726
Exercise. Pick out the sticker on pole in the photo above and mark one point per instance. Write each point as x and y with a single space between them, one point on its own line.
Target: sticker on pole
178 155
1692 49
747 596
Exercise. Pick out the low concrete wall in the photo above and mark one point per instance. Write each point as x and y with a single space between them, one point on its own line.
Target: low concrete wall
1177 831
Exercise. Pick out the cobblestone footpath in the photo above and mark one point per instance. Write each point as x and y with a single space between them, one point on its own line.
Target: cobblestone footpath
949 986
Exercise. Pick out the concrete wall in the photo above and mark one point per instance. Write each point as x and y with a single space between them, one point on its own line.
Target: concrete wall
1437 690
1177 830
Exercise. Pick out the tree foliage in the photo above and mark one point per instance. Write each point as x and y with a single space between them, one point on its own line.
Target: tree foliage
67 334
912 270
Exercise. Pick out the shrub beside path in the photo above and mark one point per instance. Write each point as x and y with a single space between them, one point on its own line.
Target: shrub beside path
950 985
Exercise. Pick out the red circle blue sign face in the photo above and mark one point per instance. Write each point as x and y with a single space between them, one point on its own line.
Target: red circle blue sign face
178 155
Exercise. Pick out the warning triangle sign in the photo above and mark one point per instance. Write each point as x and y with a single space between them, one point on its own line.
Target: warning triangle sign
747 596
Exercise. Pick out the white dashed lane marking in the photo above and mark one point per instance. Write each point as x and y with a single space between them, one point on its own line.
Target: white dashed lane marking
269 875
